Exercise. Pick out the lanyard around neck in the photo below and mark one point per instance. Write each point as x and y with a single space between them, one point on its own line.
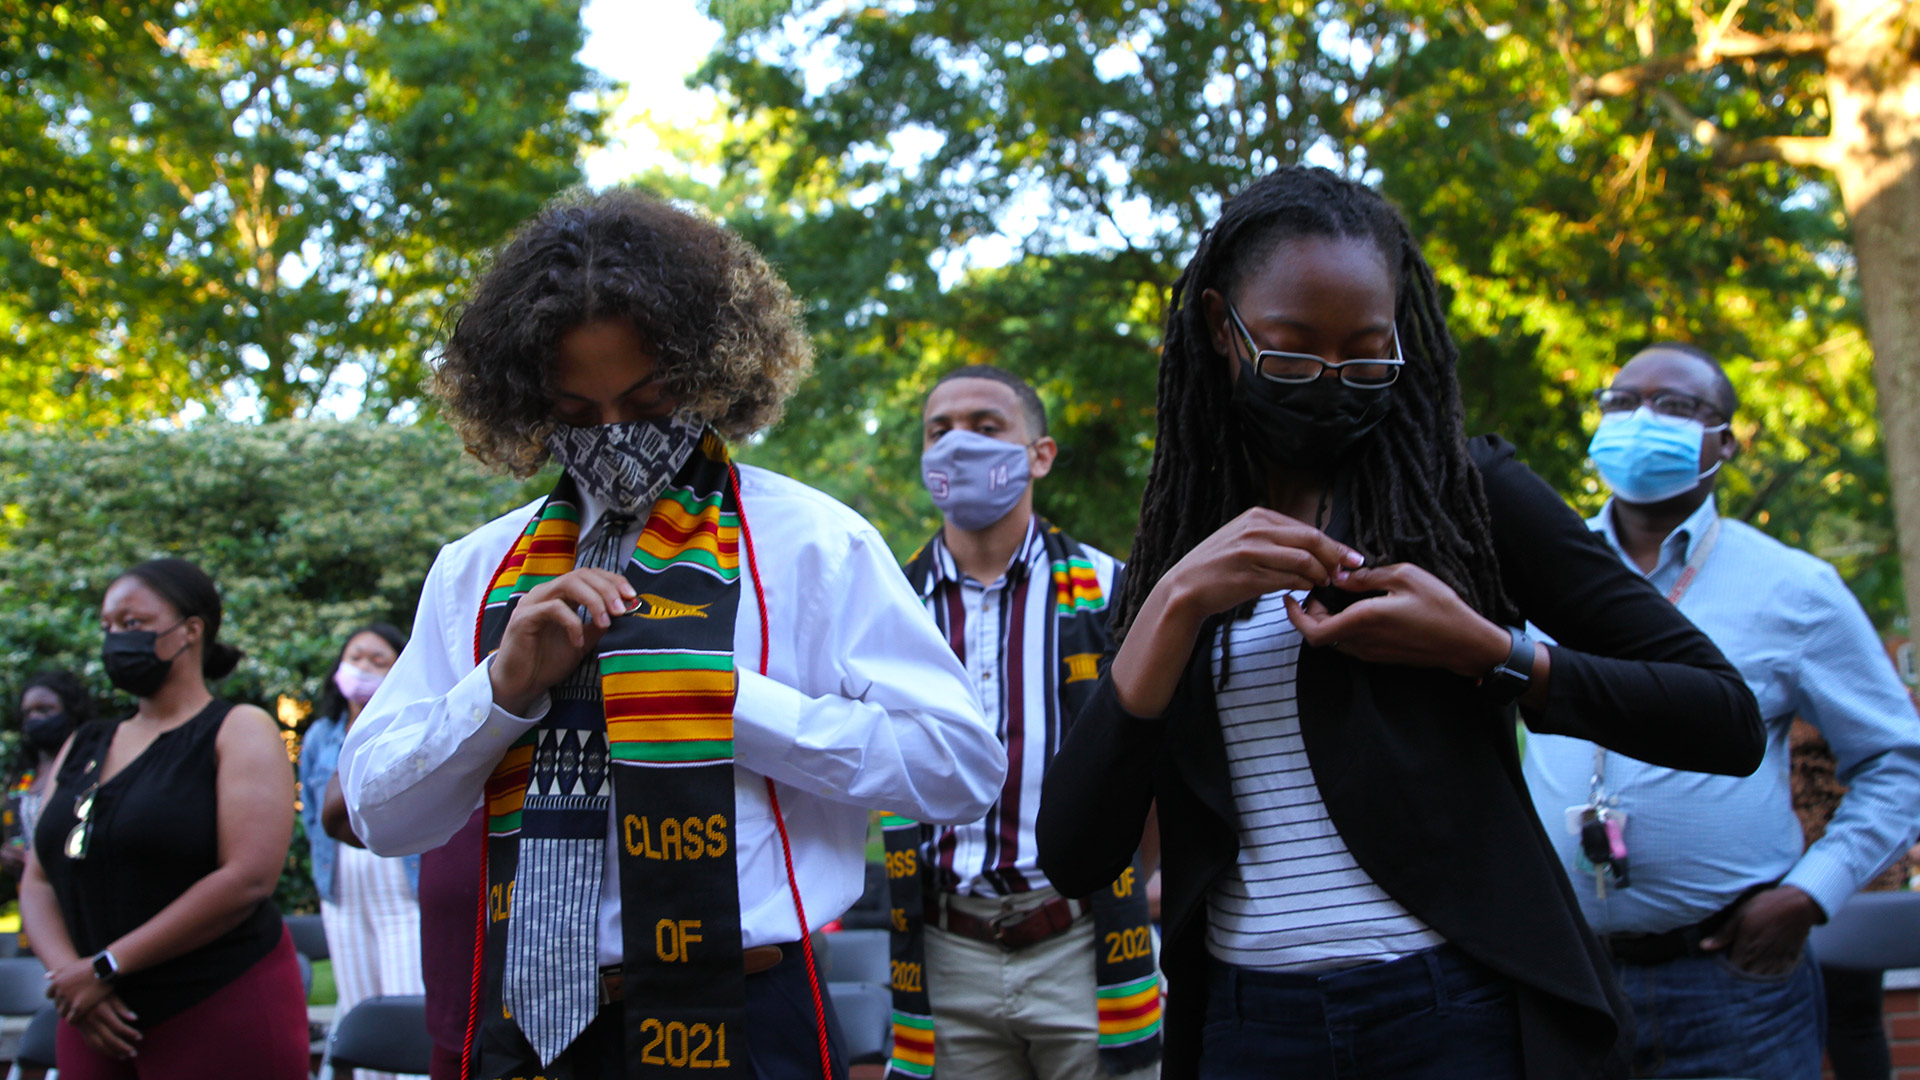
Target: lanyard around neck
1680 586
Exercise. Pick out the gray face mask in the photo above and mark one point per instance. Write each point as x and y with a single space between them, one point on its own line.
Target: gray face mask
974 480
625 465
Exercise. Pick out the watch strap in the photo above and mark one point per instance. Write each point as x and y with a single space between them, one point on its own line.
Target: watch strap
1508 679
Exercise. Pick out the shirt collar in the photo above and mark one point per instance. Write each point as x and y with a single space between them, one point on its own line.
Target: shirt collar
1682 540
1018 566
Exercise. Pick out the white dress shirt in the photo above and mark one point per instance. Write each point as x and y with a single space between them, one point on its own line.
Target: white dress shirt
863 707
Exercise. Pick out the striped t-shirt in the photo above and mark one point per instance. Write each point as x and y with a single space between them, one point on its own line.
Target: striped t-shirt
1295 900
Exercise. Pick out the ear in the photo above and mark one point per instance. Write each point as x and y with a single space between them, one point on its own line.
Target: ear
1213 308
1040 456
1729 446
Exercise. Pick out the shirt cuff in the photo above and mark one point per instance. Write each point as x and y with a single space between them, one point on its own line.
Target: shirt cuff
766 722
483 695
470 727
1826 880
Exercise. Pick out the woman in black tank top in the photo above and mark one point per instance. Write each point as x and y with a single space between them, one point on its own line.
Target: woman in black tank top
155 857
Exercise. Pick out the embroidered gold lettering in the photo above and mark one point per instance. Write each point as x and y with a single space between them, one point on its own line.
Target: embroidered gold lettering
640 848
679 1045
673 941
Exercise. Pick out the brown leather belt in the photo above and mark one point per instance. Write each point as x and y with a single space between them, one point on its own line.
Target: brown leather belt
1010 930
613 980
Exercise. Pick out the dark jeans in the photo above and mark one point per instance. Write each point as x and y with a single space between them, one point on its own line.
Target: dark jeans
782 1043
1701 1016
1856 1030
1435 1015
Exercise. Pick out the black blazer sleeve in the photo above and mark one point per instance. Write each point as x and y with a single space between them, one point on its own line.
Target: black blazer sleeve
1094 800
1629 671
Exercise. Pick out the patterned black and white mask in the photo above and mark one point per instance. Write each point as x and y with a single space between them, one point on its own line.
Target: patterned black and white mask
626 465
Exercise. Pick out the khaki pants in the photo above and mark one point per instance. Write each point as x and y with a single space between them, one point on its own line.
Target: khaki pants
1022 1015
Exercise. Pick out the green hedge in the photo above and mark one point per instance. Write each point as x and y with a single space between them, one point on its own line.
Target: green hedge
309 528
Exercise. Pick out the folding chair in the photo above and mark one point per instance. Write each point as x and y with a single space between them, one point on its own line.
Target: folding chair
1875 931
866 1019
385 1034
309 936
859 956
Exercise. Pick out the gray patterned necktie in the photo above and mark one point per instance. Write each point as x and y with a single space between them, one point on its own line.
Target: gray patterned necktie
551 982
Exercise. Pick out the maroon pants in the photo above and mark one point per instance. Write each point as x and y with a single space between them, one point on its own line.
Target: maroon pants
255 1026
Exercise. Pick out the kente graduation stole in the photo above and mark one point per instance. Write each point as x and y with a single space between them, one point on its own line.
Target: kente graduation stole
647 728
1127 994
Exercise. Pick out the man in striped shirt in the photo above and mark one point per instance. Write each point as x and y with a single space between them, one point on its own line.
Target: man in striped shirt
1010 963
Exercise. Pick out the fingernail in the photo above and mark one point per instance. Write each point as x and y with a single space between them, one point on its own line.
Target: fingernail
1340 575
1354 559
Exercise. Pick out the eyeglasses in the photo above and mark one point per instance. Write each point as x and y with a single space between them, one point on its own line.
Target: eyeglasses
1668 403
1286 367
82 830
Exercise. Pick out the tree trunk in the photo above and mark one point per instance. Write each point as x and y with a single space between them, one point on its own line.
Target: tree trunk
1873 89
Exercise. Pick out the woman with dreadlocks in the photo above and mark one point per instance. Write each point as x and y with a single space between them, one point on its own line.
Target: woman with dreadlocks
1320 653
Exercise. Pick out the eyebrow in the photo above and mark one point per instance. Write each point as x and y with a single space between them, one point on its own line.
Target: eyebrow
1308 328
653 378
977 414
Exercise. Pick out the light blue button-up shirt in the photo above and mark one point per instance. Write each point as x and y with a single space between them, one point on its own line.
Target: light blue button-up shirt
1695 841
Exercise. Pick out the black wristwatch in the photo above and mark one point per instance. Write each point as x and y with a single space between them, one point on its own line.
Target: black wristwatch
105 967
1508 680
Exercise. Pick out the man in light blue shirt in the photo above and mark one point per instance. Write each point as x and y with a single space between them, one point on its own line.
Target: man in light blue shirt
1698 884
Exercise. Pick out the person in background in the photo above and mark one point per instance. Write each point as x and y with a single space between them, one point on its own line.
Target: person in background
449 878
52 705
148 892
1856 1022
368 904
677 685
1320 651
1702 888
1020 981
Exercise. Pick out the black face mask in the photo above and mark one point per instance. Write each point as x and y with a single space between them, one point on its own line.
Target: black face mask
132 664
1312 424
47 733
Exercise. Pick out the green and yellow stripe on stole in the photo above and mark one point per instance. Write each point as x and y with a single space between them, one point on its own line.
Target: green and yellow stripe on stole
669 706
507 787
543 552
1129 1012
690 530
1076 587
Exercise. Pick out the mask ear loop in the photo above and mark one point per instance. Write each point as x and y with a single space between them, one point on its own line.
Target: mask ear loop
1706 431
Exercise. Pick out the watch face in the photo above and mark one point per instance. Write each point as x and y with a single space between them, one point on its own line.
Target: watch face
103 968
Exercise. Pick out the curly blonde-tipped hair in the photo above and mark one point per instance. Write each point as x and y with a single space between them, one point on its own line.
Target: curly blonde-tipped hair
723 327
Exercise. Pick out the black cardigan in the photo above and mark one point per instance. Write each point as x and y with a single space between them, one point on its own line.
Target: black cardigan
1421 775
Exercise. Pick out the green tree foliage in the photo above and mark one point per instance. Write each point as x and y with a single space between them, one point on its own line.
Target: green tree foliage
309 528
253 197
870 149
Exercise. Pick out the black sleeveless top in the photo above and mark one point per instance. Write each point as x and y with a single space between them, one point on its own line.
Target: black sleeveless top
155 833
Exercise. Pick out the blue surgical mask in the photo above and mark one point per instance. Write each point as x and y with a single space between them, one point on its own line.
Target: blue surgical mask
974 480
1648 458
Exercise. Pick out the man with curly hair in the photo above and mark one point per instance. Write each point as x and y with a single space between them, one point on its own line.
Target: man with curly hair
674 733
